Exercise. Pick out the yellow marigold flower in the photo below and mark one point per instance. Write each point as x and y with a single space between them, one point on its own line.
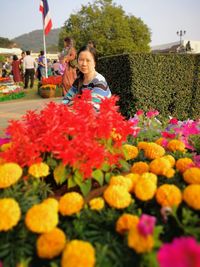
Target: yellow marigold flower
171 159
10 213
70 203
150 176
140 167
52 202
160 166
142 145
10 173
176 145
117 196
97 203
154 151
145 189
168 195
134 178
125 222
183 164
41 218
51 244
140 243
6 146
131 152
2 161
191 195
121 180
192 175
39 170
170 173
78 254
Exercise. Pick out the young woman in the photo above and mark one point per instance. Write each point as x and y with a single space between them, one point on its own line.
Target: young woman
88 78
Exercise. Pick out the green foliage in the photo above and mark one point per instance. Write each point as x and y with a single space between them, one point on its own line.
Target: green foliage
11 96
5 42
166 82
107 24
194 140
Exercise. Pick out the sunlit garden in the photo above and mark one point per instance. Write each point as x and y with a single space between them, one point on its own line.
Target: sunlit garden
80 188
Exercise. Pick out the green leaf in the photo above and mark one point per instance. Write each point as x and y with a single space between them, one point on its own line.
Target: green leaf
78 178
85 187
125 165
107 177
60 173
70 182
98 176
105 167
51 162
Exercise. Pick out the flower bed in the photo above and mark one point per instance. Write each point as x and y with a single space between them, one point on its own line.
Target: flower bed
9 91
50 87
144 210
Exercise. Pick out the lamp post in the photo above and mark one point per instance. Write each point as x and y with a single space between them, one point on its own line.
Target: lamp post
181 33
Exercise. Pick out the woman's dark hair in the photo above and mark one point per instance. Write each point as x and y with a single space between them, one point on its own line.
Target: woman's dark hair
91 43
15 57
69 41
90 49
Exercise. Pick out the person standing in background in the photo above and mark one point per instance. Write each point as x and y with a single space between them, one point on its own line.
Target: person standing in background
69 54
16 72
41 66
29 67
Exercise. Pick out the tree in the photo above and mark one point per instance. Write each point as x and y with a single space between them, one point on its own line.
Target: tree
5 43
113 31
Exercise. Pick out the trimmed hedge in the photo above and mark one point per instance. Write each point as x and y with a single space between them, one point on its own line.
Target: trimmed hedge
166 82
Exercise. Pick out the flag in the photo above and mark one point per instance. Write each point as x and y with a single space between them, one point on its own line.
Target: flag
44 8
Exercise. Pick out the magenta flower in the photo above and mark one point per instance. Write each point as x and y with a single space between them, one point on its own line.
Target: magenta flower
196 159
1 264
182 252
152 113
139 112
146 224
173 121
4 141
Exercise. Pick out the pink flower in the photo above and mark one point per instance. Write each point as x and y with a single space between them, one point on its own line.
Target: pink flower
152 113
197 160
139 112
173 121
1 264
146 224
182 252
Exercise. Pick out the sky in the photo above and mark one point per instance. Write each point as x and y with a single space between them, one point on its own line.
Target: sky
163 17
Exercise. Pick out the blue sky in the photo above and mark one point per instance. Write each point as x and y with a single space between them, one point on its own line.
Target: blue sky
163 17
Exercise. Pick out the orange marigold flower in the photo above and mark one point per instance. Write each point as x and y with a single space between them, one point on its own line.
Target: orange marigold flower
71 203
176 145
160 141
183 164
153 151
41 218
168 195
123 181
192 175
97 203
134 178
117 196
140 243
52 202
10 173
142 145
191 195
171 159
140 167
78 254
131 152
150 176
6 146
39 170
125 222
51 244
160 166
10 213
145 189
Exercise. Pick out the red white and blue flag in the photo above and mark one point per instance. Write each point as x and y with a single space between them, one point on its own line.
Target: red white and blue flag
44 8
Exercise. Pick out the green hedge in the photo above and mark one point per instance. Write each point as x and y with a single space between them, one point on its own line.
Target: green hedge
166 82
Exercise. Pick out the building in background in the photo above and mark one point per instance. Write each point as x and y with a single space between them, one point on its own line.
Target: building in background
186 46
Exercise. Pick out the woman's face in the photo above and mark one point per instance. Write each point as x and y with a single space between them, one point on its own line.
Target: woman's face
86 62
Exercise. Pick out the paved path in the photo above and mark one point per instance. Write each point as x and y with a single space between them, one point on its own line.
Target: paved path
14 109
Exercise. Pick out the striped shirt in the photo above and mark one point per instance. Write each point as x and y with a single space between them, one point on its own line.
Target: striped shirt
99 90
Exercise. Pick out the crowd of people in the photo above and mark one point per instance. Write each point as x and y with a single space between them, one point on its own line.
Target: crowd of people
78 71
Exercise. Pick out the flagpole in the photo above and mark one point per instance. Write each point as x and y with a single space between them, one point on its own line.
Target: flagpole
45 52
